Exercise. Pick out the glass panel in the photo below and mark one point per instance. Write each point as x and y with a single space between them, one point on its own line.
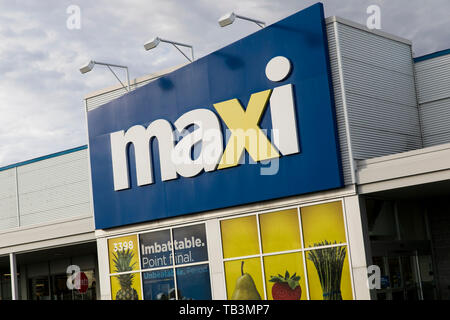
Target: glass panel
126 286
193 283
60 291
244 279
427 277
323 224
395 273
411 221
39 288
280 231
381 220
329 274
190 244
239 237
159 285
410 277
123 254
284 275
156 249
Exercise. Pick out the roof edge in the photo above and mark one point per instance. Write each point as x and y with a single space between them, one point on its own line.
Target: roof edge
432 55
359 26
48 156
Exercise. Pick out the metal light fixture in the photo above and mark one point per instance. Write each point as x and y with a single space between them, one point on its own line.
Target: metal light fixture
90 65
153 43
230 17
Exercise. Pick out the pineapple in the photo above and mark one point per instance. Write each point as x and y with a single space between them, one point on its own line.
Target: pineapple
122 263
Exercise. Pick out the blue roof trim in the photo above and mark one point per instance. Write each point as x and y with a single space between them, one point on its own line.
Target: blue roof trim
53 155
432 55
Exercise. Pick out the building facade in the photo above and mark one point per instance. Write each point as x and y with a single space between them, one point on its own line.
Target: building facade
358 177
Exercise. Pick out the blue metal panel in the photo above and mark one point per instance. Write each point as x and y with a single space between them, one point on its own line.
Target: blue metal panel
235 71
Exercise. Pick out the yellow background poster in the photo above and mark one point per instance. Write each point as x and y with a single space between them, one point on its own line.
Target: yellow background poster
315 288
279 265
239 237
241 285
128 243
126 292
280 231
123 259
323 222
284 260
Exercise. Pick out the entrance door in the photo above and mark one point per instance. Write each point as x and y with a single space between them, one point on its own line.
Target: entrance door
405 276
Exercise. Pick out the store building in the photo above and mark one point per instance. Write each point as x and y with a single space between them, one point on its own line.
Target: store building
260 163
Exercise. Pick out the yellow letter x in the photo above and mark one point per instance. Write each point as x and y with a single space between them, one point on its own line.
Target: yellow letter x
245 132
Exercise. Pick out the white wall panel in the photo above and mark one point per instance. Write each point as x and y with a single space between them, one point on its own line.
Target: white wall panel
50 190
54 189
8 201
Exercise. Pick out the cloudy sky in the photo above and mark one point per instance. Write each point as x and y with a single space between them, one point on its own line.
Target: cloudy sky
41 89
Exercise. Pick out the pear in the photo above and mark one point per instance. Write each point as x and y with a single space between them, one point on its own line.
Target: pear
245 287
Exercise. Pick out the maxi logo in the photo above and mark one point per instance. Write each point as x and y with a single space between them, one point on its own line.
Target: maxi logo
243 125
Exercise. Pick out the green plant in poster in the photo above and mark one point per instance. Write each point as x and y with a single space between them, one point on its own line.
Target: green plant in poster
245 287
122 263
329 263
287 287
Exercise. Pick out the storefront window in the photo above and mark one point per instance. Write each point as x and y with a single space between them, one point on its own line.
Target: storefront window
293 254
172 263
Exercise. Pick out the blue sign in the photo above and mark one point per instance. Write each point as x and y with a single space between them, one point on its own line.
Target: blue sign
253 121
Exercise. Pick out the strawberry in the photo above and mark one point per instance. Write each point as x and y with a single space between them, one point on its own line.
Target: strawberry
286 288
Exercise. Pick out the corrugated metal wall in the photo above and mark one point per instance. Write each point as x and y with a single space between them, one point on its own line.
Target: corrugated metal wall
52 189
433 88
373 79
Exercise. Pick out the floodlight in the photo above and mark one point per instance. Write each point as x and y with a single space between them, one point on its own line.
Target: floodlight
90 65
230 17
87 67
153 43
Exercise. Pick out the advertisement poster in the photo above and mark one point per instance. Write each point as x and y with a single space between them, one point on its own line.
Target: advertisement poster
123 254
239 237
323 222
244 279
193 283
124 258
156 249
189 246
126 286
278 270
162 251
159 285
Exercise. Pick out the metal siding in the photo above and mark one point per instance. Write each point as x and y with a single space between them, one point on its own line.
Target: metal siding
99 100
54 189
368 51
381 98
433 86
8 201
340 116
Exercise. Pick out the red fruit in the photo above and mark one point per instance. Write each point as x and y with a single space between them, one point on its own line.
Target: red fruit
286 288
